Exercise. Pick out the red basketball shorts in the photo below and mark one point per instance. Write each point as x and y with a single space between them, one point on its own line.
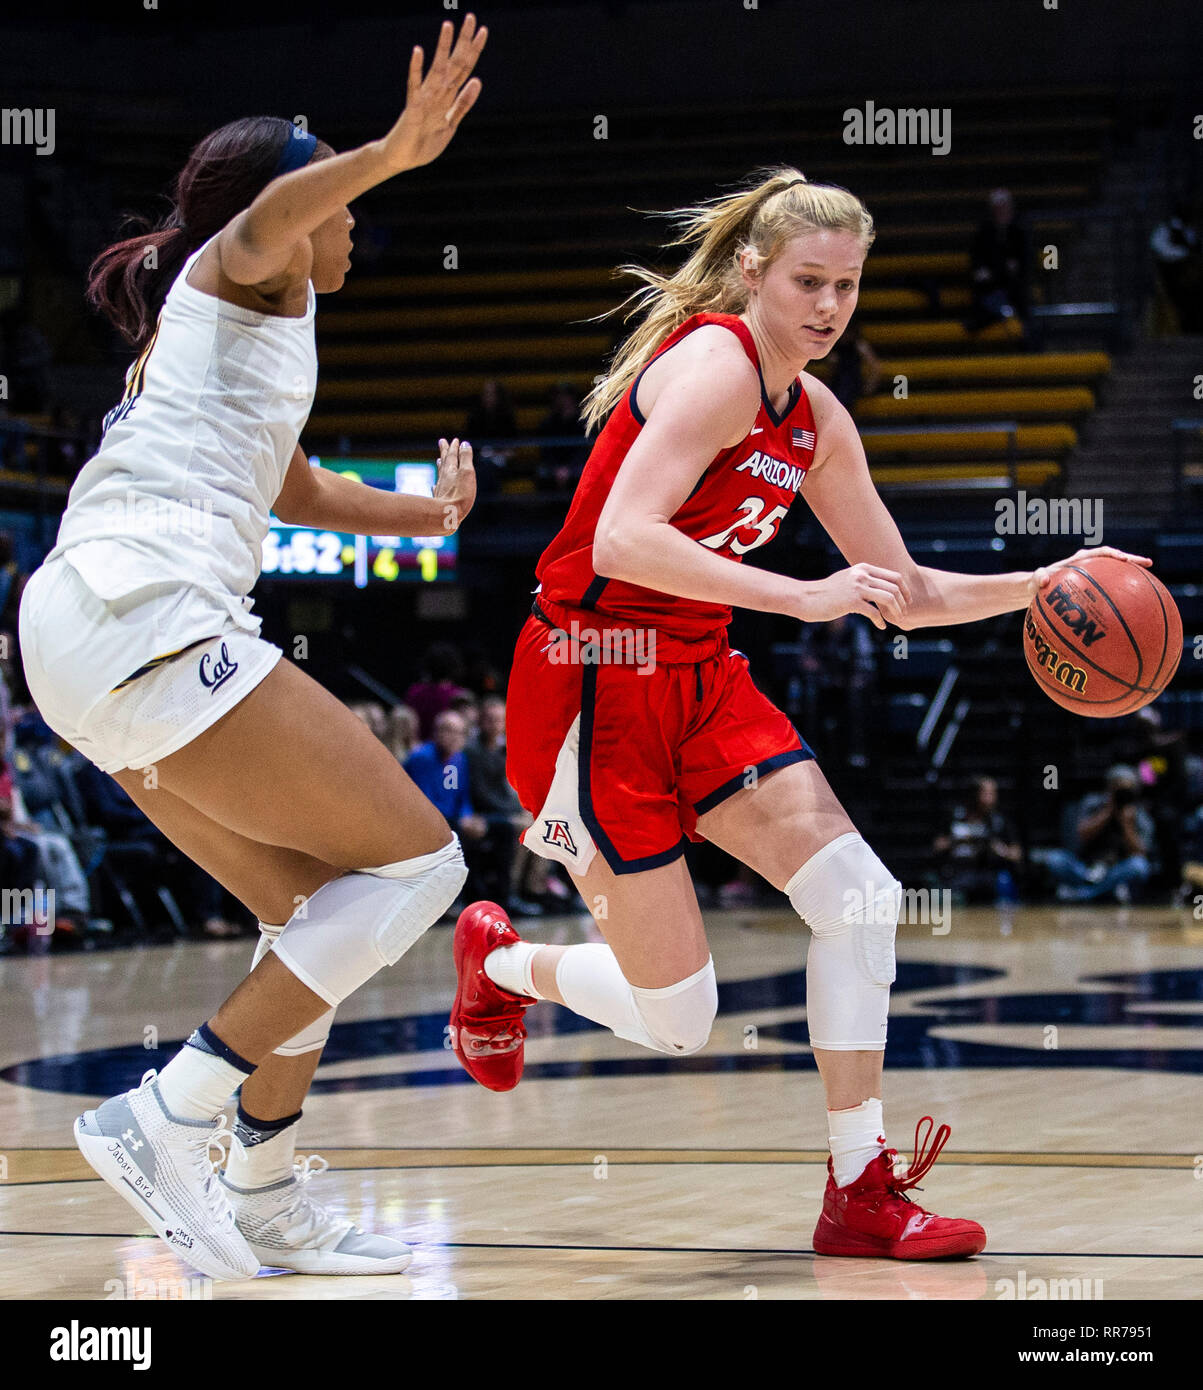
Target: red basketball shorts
622 757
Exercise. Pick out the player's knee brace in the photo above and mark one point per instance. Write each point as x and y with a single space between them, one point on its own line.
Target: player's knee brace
308 1039
677 1019
354 925
851 903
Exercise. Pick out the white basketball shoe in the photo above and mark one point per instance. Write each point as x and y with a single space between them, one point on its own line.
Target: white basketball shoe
287 1229
160 1165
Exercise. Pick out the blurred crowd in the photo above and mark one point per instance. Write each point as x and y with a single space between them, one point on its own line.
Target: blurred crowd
451 741
1137 836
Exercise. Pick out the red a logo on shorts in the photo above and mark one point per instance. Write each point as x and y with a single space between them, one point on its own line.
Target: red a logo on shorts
557 833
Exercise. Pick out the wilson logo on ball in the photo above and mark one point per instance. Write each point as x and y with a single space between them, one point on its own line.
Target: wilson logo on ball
1074 616
1109 618
1064 672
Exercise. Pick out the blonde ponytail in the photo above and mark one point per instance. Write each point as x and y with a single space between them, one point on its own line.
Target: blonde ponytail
779 204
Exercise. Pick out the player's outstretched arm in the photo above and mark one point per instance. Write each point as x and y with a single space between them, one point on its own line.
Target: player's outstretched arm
840 492
327 501
261 243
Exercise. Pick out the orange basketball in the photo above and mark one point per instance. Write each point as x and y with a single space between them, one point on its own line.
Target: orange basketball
1104 638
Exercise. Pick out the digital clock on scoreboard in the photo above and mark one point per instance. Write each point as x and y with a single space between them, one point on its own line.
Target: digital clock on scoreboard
306 553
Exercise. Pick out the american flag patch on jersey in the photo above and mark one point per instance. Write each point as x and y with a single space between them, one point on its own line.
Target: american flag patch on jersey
804 439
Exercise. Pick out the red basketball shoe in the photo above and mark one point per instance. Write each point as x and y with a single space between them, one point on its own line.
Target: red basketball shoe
487 1033
874 1216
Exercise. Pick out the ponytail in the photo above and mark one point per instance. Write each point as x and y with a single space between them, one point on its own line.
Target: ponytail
128 282
763 216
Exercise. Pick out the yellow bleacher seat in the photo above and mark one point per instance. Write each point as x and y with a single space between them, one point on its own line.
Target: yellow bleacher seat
1055 401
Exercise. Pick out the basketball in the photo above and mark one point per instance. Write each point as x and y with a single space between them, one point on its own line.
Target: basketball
1104 638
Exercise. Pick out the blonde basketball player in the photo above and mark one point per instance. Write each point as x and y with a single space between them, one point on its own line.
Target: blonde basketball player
139 649
649 731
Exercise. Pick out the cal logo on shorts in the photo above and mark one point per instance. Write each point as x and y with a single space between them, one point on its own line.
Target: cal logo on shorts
216 675
556 832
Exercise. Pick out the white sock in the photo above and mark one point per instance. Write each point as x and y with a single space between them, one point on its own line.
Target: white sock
198 1081
261 1154
512 968
856 1138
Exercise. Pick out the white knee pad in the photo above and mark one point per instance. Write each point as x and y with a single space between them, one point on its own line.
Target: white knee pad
354 925
675 1019
308 1039
678 1018
851 902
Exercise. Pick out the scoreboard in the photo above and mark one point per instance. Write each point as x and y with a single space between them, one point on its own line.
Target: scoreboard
305 553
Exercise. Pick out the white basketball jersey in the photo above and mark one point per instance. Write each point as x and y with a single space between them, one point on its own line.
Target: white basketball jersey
194 456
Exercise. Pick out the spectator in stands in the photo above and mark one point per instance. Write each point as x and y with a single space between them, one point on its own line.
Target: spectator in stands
441 682
998 267
1191 876
467 706
1159 756
439 769
979 854
25 922
135 839
401 732
857 368
12 581
1113 844
491 418
495 800
1177 245
35 810
560 464
838 670
373 714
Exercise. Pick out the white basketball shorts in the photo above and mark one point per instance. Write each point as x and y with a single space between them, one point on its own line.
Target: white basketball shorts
80 650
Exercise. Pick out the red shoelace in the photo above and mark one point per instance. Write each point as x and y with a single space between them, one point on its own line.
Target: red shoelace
920 1165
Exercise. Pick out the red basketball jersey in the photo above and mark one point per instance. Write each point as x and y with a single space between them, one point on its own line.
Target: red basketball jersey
737 506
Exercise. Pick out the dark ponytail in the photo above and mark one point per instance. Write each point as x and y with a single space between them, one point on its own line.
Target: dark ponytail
224 175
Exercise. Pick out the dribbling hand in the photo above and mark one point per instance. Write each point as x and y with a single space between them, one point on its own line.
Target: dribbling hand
1041 578
435 104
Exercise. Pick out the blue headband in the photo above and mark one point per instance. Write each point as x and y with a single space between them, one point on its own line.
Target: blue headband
298 150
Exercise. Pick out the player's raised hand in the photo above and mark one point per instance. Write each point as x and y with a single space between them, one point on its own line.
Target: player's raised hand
456 483
1041 578
435 104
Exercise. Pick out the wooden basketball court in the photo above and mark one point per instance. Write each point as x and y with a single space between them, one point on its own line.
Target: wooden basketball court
1063 1047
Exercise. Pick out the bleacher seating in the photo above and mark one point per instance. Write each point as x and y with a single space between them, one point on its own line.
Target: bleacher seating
539 215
